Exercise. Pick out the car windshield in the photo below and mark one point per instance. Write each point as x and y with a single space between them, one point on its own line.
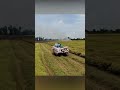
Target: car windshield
58 45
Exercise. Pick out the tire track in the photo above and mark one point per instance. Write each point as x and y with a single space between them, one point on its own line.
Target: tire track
61 65
54 60
75 65
24 63
50 72
39 65
67 64
21 47
75 59
25 46
7 66
18 73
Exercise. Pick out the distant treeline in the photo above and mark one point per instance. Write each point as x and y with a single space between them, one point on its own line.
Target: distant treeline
103 31
13 30
78 39
44 39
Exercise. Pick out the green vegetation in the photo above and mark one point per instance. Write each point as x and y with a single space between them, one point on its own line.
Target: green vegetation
48 64
103 54
39 66
16 65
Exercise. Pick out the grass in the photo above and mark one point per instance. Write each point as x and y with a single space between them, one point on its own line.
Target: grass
46 62
16 65
103 53
39 66
5 64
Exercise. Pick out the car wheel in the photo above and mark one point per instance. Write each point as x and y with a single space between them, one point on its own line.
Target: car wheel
66 54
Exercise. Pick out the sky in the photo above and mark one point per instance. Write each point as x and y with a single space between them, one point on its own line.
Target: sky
98 13
59 6
17 13
102 14
60 26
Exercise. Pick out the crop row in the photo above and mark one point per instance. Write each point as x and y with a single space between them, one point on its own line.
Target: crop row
103 52
25 64
54 65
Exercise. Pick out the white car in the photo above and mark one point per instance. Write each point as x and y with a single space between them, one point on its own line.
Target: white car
57 50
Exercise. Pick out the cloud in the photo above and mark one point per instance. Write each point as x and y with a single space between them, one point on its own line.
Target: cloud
60 22
60 25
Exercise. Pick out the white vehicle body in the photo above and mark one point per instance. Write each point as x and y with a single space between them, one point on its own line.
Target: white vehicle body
60 50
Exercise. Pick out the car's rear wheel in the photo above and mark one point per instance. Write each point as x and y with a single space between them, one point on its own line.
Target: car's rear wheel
66 54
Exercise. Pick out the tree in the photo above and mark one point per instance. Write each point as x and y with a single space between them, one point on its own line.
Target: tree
5 30
10 28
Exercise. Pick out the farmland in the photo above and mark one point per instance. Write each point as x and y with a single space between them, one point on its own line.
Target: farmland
46 64
16 64
103 62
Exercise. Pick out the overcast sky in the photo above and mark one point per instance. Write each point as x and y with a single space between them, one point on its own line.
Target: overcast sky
60 6
18 13
60 25
99 13
102 14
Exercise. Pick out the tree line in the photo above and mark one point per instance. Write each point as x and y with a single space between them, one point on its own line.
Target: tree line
13 30
39 38
103 30
78 39
45 39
